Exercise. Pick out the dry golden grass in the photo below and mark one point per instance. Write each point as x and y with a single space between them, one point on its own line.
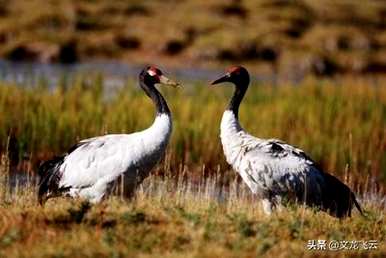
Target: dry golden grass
193 205
170 218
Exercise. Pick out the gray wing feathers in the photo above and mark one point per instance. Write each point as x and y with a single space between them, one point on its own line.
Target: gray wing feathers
272 167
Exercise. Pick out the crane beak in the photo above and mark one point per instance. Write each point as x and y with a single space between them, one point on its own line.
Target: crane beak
224 78
166 81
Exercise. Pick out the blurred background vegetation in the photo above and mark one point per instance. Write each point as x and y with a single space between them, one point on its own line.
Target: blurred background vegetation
272 36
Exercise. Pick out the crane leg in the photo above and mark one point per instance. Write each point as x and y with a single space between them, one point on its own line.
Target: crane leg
268 206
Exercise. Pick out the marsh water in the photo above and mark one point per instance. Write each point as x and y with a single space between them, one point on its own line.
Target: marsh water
113 72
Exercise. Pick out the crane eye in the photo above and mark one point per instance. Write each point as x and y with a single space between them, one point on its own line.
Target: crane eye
234 70
154 71
151 72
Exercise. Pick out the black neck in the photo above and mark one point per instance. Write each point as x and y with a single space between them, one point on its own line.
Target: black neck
238 95
151 91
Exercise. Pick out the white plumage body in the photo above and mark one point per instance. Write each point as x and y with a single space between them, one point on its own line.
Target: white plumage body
91 169
270 168
275 171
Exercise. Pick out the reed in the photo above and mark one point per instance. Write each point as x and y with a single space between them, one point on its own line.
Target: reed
192 205
340 123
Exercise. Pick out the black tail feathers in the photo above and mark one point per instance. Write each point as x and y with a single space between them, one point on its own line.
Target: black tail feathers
49 178
338 199
354 200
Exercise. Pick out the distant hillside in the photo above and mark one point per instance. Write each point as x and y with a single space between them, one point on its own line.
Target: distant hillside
319 37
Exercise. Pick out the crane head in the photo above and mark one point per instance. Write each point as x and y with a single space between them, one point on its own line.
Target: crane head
157 76
234 74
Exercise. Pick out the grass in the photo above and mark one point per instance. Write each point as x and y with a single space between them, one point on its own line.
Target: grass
193 205
170 219
341 124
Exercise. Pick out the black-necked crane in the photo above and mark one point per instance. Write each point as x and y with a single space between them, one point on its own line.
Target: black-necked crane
273 170
91 168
